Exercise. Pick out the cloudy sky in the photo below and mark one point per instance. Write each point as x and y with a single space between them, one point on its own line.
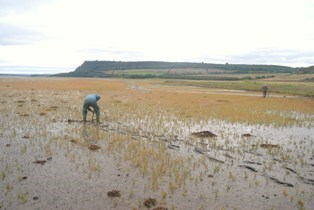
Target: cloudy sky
51 36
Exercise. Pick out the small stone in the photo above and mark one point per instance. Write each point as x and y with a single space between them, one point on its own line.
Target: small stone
204 134
94 147
114 193
41 162
73 141
150 202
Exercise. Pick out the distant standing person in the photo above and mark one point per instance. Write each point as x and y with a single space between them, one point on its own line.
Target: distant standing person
91 101
265 90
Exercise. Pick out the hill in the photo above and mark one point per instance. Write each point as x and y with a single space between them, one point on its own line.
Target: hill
307 70
158 69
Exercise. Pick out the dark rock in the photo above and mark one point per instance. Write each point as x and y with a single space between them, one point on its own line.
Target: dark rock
204 134
93 147
114 193
150 202
41 162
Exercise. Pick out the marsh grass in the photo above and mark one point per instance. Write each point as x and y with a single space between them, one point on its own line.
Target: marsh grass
283 86
136 132
22 197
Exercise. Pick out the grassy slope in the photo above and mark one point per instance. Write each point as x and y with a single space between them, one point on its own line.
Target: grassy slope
283 87
103 68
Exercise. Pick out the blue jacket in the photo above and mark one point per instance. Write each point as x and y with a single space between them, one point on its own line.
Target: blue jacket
91 101
92 98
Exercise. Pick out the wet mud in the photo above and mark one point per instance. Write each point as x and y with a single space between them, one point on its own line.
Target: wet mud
138 159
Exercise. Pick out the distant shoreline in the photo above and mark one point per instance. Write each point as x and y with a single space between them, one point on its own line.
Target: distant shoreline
26 75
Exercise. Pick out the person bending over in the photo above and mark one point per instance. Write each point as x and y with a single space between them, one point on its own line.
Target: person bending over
91 101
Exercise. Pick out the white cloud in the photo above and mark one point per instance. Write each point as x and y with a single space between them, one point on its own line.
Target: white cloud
16 35
64 33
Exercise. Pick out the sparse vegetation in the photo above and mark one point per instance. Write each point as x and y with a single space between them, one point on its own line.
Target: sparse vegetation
147 144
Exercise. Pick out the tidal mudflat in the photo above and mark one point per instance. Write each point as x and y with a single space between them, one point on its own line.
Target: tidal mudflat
157 147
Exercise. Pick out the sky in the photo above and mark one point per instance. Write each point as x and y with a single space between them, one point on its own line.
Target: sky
53 36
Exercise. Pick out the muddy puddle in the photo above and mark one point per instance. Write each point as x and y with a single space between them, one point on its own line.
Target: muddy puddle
210 163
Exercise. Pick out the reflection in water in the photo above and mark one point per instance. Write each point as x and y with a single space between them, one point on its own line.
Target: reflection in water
90 132
84 132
